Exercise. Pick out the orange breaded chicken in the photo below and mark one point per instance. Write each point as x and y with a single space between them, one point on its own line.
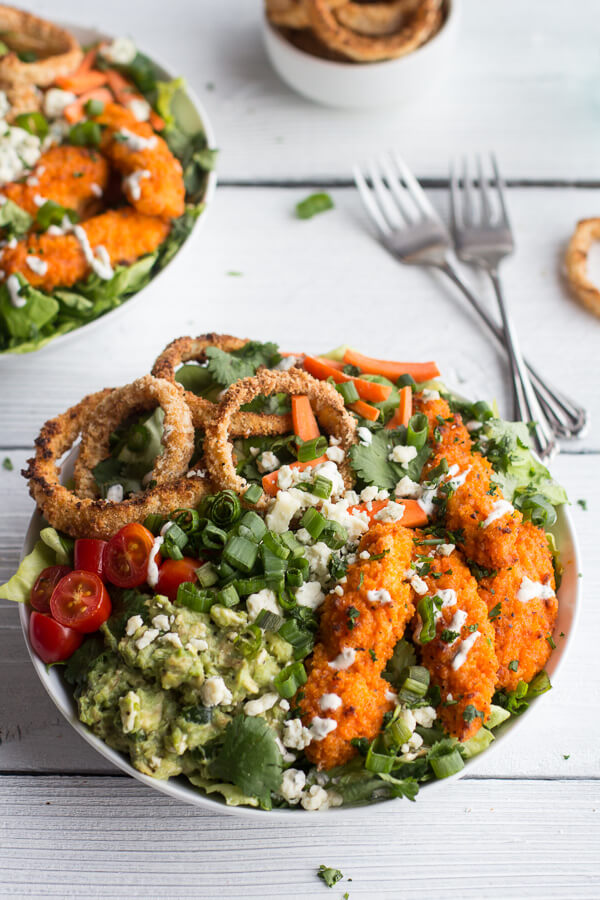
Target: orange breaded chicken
527 607
476 507
461 658
51 261
358 633
153 177
74 177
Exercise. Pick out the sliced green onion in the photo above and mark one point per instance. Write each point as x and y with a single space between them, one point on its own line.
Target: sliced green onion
536 508
322 487
273 565
225 509
207 575
85 134
175 541
228 596
406 381
255 525
478 743
94 108
213 538
253 494
348 391
398 732
33 122
416 680
497 715
482 411
426 610
275 545
334 535
275 581
416 431
240 553
294 578
249 641
309 450
269 621
378 762
52 213
539 685
194 598
226 571
154 523
446 765
285 598
312 205
291 632
290 679
246 586
313 521
187 519
294 545
300 564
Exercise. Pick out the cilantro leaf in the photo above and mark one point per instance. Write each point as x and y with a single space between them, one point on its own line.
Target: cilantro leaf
249 758
371 463
226 368
329 876
78 665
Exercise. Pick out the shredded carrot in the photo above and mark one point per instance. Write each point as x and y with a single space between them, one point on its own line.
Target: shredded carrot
404 412
157 122
365 410
75 111
269 482
305 425
124 90
367 390
414 516
88 62
390 369
331 362
80 84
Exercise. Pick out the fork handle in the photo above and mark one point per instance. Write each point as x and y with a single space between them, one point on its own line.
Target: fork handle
564 416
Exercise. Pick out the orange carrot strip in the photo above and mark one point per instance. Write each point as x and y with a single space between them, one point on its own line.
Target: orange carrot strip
269 482
88 62
389 369
414 516
123 89
75 111
80 84
157 122
365 410
367 390
303 418
404 412
331 362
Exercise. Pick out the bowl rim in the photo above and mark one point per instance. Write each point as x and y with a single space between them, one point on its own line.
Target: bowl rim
274 33
178 789
87 34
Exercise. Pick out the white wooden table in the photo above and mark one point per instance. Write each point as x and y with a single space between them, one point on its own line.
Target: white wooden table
525 81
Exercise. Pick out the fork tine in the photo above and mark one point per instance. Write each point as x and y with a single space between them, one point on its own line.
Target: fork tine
455 211
500 189
468 210
401 194
414 188
387 207
486 207
369 202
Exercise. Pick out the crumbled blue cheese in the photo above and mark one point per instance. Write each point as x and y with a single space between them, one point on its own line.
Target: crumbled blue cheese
310 594
287 362
343 660
196 645
4 105
320 728
368 494
121 51
364 435
417 584
330 701
260 705
428 395
19 151
268 462
335 454
282 511
140 108
130 707
214 692
56 101
356 522
393 512
425 715
147 637
292 785
317 798
403 454
445 549
115 493
406 487
172 638
264 599
133 623
318 559
295 735
161 622
380 596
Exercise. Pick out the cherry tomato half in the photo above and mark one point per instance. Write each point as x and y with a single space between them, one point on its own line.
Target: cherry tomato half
45 584
126 556
89 554
174 572
80 601
51 641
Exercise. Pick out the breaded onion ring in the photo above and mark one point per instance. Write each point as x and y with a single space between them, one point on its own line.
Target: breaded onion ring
414 32
586 232
59 51
147 393
376 19
184 349
326 402
287 13
94 518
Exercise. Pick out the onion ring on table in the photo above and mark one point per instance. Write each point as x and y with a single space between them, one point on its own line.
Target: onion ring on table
586 232
60 51
327 27
83 517
184 349
376 19
327 405
147 393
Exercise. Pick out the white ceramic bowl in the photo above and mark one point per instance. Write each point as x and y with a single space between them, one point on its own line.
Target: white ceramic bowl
351 85
196 118
569 596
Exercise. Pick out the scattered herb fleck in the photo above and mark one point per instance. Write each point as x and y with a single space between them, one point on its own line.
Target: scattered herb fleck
7 464
353 615
582 504
329 876
373 655
513 665
494 613
313 205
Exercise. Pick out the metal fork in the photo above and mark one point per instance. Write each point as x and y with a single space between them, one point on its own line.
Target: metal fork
411 229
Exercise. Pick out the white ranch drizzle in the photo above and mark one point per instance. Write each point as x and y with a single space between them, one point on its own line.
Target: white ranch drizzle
532 590
500 508
343 660
463 650
99 261
13 285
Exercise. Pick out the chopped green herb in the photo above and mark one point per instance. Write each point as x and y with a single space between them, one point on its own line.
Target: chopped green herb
329 876
550 640
353 616
234 274
471 712
313 205
249 758
513 665
373 655
7 464
566 756
494 613
448 637
582 504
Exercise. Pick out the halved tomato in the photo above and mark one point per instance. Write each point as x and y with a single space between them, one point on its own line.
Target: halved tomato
52 641
80 601
126 556
174 572
89 554
42 590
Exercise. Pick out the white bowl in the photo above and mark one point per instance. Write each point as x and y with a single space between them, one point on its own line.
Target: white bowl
569 596
352 85
196 118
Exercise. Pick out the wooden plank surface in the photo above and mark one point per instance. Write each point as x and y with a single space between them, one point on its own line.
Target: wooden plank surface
108 837
523 80
318 283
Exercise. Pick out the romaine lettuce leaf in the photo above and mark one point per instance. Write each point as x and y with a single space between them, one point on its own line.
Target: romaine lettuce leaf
18 588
